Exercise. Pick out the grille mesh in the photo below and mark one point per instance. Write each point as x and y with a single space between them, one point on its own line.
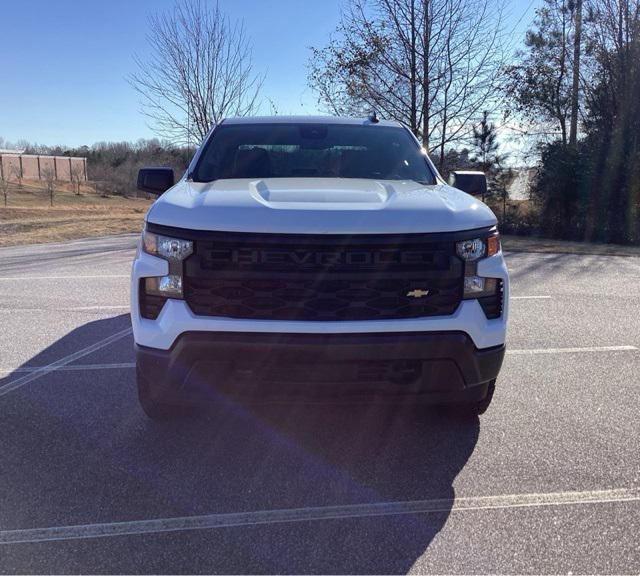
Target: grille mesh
322 278
313 299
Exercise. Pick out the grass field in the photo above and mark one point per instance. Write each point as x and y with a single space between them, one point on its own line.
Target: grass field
28 217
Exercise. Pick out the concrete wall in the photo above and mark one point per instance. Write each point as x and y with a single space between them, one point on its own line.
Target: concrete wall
30 169
63 169
10 166
33 167
47 167
79 168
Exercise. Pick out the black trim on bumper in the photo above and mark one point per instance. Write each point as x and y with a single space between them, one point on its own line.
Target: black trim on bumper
432 366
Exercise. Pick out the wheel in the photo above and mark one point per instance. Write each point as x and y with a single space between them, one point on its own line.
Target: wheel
471 409
152 408
483 405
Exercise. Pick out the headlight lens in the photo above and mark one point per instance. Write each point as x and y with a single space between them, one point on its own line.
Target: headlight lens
478 287
470 250
169 286
485 290
172 249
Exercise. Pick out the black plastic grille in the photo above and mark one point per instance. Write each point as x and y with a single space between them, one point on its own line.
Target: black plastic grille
296 277
316 299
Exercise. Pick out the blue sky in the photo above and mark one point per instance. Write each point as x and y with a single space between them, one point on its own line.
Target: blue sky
64 62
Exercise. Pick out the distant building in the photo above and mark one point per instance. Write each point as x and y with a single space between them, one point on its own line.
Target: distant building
15 166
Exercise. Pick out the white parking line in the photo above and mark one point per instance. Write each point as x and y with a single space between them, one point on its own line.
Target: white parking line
571 350
11 386
530 297
64 277
73 367
71 309
289 515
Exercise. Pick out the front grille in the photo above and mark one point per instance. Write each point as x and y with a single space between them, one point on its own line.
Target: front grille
304 277
320 299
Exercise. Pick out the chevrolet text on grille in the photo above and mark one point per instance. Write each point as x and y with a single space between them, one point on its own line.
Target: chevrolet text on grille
300 258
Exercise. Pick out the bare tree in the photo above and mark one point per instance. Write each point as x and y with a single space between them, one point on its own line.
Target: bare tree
4 187
432 64
77 176
48 175
200 70
15 174
611 82
612 37
575 88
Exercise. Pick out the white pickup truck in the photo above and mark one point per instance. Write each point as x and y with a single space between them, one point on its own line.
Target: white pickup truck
318 259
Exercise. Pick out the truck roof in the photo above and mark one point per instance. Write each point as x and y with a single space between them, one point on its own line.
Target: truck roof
308 120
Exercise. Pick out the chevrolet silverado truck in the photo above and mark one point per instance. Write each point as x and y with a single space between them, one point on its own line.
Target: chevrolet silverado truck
316 259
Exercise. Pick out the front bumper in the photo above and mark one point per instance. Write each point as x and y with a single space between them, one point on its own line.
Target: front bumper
425 366
176 317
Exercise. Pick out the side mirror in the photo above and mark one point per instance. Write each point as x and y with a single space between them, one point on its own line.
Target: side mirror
155 180
474 183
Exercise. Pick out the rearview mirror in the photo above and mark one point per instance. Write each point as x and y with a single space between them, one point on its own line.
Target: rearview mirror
474 183
155 180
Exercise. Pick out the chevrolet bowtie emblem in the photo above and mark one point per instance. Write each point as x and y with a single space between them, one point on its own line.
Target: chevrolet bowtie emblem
418 293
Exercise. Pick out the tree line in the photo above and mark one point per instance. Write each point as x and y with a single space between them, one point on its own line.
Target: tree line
577 81
447 69
572 91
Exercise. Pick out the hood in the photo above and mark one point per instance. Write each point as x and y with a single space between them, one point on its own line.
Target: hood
319 206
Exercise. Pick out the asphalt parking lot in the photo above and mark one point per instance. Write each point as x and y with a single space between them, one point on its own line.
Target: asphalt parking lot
547 481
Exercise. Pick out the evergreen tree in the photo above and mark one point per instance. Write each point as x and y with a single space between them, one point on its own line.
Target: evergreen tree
540 84
490 161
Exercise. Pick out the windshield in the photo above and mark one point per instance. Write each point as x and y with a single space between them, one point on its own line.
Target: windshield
312 150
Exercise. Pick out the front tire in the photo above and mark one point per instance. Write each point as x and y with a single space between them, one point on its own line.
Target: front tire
158 411
471 409
482 406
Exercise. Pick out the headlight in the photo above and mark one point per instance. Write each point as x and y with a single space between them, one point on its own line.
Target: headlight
488 293
174 251
472 250
478 287
169 286
493 244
